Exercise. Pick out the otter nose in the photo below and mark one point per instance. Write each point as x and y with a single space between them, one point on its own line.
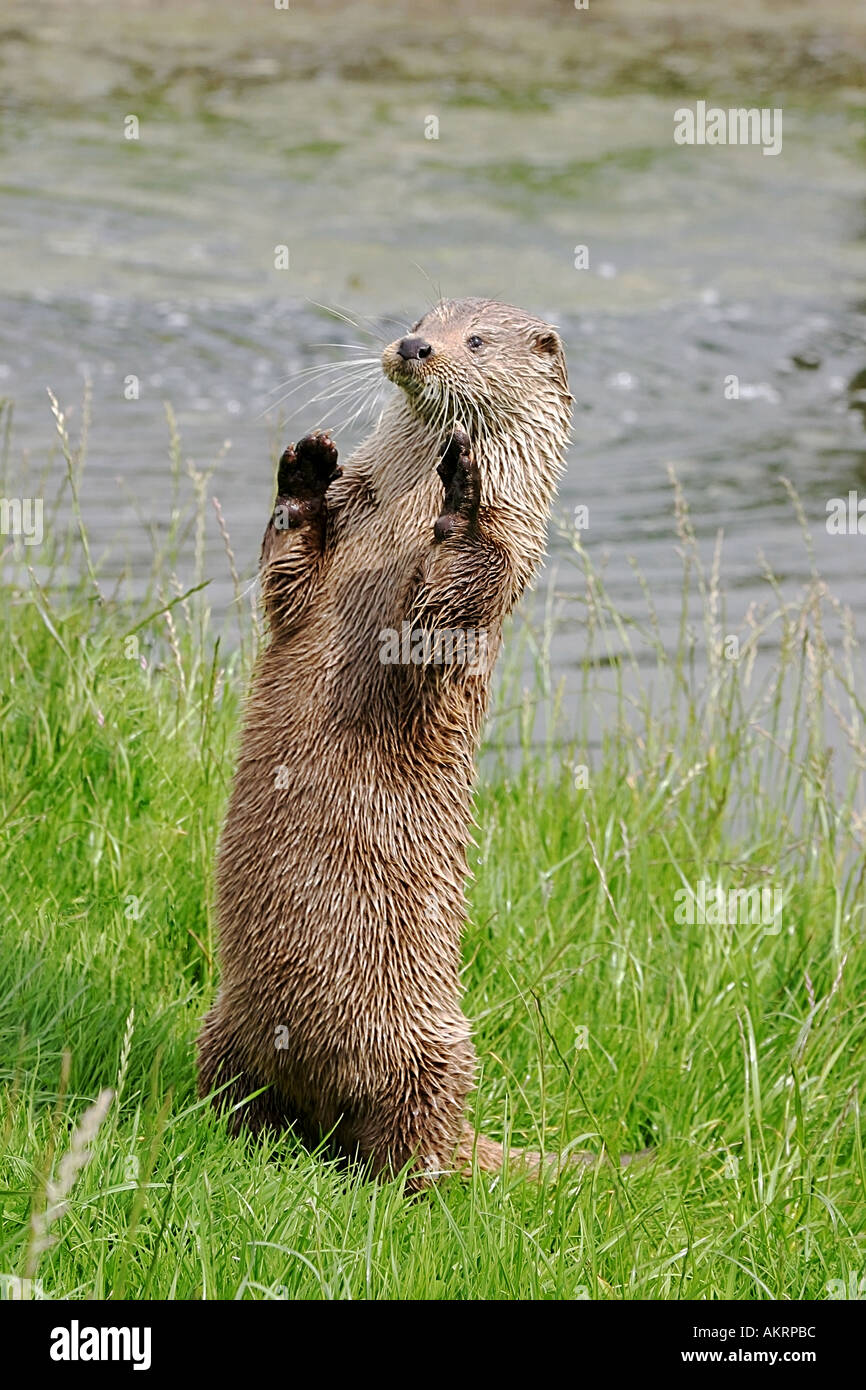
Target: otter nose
409 348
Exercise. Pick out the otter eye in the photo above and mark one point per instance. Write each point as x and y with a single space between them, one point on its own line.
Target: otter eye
474 342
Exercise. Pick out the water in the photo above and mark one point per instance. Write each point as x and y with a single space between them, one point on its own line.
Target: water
154 258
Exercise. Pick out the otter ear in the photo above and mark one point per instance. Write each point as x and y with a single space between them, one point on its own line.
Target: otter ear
546 342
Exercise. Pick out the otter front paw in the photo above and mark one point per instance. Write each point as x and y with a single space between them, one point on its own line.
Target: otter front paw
462 478
305 472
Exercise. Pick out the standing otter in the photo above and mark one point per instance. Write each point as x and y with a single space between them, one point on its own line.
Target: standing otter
343 856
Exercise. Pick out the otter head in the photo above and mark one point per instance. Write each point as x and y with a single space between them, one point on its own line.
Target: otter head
490 368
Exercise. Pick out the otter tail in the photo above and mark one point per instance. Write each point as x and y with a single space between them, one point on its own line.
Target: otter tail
477 1151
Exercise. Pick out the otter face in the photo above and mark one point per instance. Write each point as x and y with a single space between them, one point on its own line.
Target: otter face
488 367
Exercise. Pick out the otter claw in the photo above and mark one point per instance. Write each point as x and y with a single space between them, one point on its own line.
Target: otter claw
462 480
318 450
307 468
458 450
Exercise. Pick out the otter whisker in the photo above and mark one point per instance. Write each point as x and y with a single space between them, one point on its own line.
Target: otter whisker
366 407
354 347
338 313
364 373
348 388
360 394
319 368
446 420
317 383
337 396
435 286
369 400
401 324
316 380
346 395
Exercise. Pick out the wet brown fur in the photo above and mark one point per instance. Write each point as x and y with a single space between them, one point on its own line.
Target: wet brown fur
341 879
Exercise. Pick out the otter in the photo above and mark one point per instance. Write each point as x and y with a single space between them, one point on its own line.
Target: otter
342 862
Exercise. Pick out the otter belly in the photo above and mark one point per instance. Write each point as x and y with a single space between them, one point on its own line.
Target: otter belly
341 904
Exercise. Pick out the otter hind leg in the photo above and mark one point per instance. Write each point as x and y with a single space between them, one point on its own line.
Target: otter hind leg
417 1122
225 1076
420 1124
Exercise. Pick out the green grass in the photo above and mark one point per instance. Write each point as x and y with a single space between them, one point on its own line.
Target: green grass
736 1053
